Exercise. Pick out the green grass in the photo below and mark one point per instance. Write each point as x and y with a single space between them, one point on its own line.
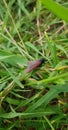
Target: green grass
56 8
38 100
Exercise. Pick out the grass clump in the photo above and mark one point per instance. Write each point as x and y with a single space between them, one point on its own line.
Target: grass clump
37 100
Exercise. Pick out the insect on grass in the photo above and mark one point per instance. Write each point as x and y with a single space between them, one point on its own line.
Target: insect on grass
34 64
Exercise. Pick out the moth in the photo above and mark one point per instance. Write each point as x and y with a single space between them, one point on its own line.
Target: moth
34 64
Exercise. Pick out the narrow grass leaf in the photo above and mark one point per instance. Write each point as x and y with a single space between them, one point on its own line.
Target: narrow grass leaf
59 10
16 79
33 114
31 46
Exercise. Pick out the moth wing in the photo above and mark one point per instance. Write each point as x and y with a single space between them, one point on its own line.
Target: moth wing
31 63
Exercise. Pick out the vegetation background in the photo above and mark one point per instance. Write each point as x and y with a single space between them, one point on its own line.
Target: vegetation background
30 30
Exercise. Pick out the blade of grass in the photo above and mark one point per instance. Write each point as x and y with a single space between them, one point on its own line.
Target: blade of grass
15 79
52 48
48 80
22 7
48 96
5 3
33 114
51 79
52 128
56 8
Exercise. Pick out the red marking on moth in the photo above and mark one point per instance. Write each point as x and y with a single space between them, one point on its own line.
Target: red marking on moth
32 66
